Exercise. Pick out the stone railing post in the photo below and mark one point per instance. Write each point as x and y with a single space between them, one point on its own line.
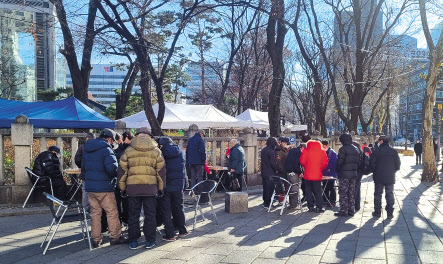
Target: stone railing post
43 146
120 127
222 153
214 153
21 137
2 160
59 143
250 145
74 147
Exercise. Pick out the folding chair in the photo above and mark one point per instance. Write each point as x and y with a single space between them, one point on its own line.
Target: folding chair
203 187
75 185
283 181
38 181
245 174
61 217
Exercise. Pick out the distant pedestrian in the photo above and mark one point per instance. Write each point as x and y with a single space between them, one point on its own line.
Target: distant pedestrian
78 162
328 185
268 168
418 149
171 204
347 165
314 161
196 156
100 167
143 181
236 162
384 162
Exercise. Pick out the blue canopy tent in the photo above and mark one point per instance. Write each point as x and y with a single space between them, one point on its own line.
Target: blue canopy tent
63 114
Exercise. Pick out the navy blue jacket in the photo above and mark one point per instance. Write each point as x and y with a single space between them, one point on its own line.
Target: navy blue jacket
332 162
237 159
196 150
99 165
292 163
175 165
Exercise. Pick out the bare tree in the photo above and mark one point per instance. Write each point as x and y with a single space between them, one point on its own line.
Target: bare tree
435 73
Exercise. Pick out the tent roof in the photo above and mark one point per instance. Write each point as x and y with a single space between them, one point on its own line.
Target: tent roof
67 113
181 116
259 119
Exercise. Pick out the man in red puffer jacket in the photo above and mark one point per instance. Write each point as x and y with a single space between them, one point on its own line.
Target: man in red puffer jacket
314 160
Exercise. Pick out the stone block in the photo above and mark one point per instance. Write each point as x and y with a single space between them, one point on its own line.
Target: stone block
21 134
5 194
22 155
236 202
19 193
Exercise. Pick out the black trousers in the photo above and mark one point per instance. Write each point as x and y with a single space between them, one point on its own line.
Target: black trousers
390 200
60 188
303 189
171 205
330 193
149 204
417 158
122 206
268 189
358 191
313 189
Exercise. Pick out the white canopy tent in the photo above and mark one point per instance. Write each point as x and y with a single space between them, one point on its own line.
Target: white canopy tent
259 120
181 116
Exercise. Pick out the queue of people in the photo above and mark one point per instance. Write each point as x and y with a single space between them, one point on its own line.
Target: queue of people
315 167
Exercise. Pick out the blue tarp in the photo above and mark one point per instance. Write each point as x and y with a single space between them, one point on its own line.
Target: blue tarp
63 114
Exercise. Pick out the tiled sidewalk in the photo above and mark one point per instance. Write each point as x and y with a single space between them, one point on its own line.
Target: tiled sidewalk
413 236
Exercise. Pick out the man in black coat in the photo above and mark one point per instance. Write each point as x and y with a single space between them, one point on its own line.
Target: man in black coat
268 168
347 165
48 164
418 149
384 163
294 169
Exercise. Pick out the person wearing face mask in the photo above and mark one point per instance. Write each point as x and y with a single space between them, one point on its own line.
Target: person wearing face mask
47 163
99 165
418 149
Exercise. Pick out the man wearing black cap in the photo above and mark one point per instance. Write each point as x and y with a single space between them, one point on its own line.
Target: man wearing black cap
99 166
384 162
48 164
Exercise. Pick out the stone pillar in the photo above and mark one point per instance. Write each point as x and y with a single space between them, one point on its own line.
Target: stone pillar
250 146
120 127
222 153
43 146
21 137
74 147
337 144
59 143
2 160
214 153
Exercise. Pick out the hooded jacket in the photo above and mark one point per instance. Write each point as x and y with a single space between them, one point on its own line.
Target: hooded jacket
175 165
47 164
236 159
314 161
99 165
292 163
144 168
332 163
384 162
348 158
196 150
268 165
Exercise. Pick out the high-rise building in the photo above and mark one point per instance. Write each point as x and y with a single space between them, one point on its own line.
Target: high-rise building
104 80
212 77
27 48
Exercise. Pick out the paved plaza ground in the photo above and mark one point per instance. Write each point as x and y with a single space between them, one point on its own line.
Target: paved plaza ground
413 236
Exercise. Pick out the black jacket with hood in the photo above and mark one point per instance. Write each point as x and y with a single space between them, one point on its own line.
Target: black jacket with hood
348 158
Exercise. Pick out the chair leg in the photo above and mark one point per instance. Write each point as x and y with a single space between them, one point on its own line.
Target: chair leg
55 231
87 229
76 190
244 181
29 194
272 201
49 230
212 209
197 199
284 203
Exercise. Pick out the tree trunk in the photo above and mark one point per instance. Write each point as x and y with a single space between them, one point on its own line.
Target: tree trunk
147 104
122 99
276 32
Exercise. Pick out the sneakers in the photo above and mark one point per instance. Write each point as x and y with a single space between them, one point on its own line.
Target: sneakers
340 214
265 207
149 245
350 213
171 239
376 214
133 245
183 235
119 241
319 210
390 215
311 210
96 244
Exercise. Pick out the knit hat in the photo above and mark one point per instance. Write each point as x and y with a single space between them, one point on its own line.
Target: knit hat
144 130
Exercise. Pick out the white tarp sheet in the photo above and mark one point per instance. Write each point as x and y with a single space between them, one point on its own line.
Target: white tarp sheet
181 116
259 120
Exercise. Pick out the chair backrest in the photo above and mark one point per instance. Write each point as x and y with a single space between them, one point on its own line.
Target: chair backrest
32 176
50 201
205 186
277 179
